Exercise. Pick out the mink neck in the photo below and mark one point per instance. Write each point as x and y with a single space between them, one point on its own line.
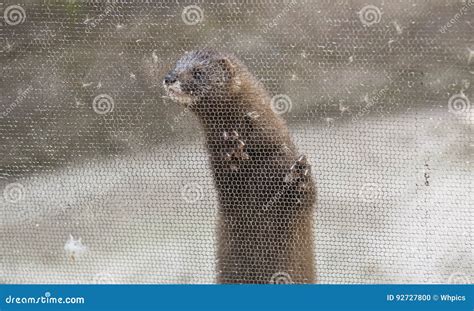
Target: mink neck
220 114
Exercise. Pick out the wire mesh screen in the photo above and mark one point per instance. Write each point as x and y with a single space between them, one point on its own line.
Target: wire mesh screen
106 178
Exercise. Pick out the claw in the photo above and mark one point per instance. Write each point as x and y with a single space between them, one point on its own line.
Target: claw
302 159
286 149
299 170
236 149
241 144
245 156
253 115
292 167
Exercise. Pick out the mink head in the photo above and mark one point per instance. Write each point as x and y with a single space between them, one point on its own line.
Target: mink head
201 75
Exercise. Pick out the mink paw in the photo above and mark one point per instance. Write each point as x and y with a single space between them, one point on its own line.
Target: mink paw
300 172
234 150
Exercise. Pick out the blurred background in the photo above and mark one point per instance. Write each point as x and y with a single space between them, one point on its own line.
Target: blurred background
104 180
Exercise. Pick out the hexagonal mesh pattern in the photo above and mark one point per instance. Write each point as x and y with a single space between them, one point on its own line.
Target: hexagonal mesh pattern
305 141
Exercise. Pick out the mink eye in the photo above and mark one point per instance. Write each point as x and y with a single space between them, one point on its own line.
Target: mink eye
197 74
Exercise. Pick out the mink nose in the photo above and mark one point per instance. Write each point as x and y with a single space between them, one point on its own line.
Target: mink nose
170 78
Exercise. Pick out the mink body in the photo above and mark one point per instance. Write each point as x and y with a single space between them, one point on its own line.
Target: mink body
266 192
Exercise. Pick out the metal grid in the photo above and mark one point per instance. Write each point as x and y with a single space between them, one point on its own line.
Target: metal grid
105 180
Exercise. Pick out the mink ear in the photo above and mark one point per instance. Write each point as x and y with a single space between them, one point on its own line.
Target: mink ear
228 68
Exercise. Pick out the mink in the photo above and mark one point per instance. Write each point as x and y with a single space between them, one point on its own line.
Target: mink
265 189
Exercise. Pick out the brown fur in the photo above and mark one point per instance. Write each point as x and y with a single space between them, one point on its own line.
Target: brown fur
266 200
